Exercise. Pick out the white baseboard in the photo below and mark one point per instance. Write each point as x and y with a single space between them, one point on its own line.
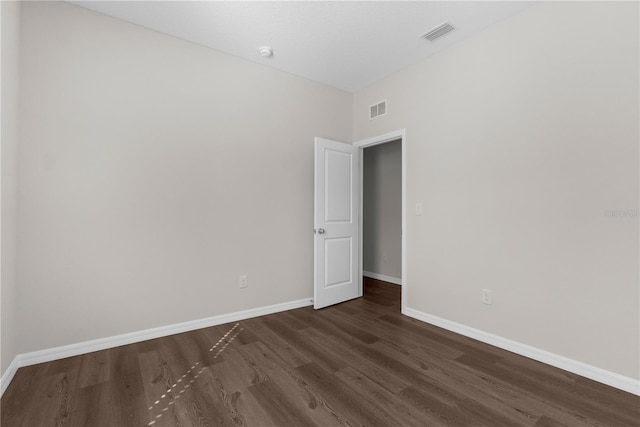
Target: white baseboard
612 379
8 375
56 353
597 374
384 278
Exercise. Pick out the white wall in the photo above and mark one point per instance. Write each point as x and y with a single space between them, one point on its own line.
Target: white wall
10 29
518 141
382 209
153 172
151 175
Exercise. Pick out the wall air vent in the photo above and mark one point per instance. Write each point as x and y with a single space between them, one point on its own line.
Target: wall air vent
378 109
437 32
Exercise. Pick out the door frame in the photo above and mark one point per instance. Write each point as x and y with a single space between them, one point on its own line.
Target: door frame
370 142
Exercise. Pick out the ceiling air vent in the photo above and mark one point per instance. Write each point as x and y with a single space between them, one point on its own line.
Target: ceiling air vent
377 110
437 32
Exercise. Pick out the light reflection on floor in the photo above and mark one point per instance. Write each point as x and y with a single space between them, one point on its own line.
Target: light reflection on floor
185 382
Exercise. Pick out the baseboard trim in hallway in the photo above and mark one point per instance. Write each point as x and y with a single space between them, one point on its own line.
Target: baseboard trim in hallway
383 277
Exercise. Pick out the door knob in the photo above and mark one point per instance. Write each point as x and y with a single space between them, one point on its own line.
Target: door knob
320 230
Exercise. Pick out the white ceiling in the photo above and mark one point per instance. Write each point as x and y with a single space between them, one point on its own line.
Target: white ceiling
344 44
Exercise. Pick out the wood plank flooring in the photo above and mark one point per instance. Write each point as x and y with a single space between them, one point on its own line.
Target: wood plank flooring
360 363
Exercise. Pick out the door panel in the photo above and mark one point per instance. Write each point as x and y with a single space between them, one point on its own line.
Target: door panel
338 259
336 221
338 171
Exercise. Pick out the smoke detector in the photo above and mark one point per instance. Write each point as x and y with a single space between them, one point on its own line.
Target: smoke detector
265 51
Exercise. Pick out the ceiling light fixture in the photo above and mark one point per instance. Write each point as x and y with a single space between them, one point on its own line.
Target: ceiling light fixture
265 51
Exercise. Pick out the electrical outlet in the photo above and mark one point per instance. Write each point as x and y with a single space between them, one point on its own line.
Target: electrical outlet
243 282
418 208
486 296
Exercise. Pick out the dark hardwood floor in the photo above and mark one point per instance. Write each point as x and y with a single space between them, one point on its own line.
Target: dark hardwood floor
359 363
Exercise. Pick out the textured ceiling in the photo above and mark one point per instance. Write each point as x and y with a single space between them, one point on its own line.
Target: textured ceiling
347 45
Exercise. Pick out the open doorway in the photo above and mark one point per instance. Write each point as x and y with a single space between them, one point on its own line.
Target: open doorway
338 244
382 221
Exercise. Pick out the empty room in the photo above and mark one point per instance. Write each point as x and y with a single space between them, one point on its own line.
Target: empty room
320 213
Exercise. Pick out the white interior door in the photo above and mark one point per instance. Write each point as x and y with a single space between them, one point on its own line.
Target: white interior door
336 222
